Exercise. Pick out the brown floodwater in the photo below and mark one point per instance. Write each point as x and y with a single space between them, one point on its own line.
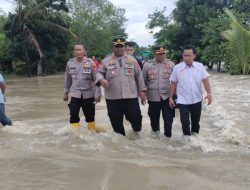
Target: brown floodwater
40 151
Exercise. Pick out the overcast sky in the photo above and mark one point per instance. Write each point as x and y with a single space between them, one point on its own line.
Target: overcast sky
136 12
6 5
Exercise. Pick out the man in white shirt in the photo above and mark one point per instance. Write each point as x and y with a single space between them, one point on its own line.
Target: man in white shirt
186 79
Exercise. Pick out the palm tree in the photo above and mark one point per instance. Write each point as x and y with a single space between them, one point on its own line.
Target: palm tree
239 39
34 13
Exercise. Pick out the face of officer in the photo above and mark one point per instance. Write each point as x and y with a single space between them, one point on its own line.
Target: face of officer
188 56
119 50
79 51
160 57
130 50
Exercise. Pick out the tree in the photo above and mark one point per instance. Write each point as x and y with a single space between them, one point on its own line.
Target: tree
239 38
30 17
215 49
5 62
198 22
169 33
96 22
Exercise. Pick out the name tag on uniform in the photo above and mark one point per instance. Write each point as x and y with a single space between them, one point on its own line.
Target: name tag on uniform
152 76
129 66
152 73
111 66
88 71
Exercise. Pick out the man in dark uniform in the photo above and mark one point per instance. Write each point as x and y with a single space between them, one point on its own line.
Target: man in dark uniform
122 79
156 73
130 49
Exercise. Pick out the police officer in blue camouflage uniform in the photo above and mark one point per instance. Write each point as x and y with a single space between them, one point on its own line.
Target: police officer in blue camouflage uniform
79 84
156 75
122 79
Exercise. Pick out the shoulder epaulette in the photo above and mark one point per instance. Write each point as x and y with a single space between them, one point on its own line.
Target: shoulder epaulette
73 59
108 55
150 61
89 59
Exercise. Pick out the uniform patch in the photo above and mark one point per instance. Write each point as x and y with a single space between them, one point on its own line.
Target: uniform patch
88 71
137 65
129 66
94 66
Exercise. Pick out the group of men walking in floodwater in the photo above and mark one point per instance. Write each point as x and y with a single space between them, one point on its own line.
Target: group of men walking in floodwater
125 81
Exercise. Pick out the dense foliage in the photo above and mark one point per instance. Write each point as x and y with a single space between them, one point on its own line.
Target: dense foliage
38 37
201 23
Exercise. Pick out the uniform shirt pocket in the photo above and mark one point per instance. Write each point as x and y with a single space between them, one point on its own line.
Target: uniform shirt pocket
152 74
73 73
112 72
166 73
197 74
86 73
129 70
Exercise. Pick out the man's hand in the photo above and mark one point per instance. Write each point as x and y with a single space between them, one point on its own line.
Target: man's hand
209 98
171 103
65 97
142 96
98 99
104 83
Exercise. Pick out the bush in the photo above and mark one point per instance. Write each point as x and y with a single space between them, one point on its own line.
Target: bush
19 68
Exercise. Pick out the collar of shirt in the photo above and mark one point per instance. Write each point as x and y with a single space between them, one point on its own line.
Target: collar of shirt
157 63
113 58
184 65
83 60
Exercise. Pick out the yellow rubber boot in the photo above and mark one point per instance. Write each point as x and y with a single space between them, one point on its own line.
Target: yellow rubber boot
75 125
91 126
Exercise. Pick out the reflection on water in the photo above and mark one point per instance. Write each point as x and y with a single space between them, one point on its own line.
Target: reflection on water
40 151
